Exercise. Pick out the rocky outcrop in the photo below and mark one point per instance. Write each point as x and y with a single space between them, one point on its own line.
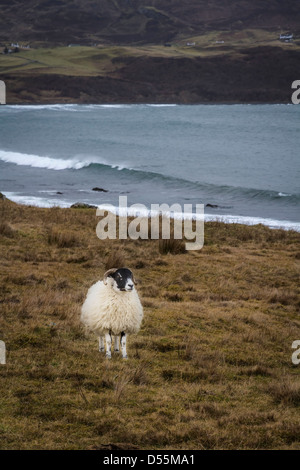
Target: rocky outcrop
82 205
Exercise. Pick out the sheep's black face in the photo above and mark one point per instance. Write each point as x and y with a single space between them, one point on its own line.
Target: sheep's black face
123 280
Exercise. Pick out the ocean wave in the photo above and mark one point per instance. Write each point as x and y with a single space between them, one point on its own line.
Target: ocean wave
50 163
137 175
209 189
37 161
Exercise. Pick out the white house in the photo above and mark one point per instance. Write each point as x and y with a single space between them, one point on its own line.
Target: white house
286 37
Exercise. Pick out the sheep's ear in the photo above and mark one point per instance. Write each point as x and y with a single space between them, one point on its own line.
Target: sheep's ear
110 271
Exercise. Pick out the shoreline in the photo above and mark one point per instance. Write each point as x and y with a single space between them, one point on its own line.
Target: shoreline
154 104
273 224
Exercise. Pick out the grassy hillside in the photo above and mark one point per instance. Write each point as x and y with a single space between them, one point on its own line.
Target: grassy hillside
104 60
211 364
250 66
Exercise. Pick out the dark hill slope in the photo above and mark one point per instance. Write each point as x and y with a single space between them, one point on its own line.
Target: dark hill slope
262 75
129 21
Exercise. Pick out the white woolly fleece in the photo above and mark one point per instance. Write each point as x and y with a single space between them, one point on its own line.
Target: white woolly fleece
106 310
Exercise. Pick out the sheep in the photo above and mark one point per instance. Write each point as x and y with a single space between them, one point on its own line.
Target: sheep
113 307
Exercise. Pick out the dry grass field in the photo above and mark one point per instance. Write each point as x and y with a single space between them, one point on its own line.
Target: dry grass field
210 369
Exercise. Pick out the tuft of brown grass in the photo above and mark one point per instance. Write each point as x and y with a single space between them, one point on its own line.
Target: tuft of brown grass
284 297
62 238
173 297
287 391
173 246
116 259
258 370
6 230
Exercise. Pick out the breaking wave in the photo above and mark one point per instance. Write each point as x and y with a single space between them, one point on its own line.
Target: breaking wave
136 175
37 161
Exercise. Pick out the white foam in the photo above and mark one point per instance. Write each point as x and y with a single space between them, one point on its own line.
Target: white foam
247 220
162 105
36 201
37 107
144 212
80 107
113 106
228 219
37 161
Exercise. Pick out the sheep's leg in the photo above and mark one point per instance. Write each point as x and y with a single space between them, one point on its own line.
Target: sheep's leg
108 345
101 343
117 344
123 345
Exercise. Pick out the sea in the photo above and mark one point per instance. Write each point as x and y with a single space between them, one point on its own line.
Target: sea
242 162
